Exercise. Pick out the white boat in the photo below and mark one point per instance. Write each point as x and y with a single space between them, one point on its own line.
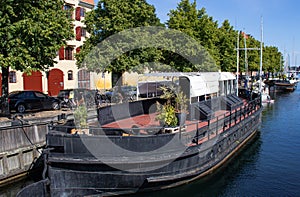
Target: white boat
265 96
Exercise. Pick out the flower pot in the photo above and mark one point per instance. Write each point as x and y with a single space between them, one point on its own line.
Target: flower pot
181 118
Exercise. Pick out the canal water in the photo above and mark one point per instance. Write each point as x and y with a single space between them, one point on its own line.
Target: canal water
269 166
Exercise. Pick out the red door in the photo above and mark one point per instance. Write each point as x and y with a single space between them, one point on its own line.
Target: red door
33 81
55 82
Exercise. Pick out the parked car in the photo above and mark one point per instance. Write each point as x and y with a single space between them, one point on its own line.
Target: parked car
124 94
78 95
21 101
130 92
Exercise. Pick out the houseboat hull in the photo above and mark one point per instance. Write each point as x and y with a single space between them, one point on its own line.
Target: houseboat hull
71 178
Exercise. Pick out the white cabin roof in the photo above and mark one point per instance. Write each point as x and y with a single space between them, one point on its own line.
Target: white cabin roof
224 76
201 83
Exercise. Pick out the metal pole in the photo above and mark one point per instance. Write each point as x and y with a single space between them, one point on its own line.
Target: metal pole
246 58
197 133
237 63
261 53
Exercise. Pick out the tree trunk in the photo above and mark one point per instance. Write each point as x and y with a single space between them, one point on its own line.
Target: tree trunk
5 106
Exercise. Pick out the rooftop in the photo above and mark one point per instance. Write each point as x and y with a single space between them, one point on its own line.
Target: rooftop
89 1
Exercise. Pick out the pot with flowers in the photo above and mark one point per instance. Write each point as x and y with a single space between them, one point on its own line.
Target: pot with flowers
173 112
80 120
166 112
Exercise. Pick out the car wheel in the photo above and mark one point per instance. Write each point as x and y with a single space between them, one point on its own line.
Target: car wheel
133 97
55 106
21 108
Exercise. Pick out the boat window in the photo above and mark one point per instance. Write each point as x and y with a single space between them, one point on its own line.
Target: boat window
202 98
221 85
194 99
226 88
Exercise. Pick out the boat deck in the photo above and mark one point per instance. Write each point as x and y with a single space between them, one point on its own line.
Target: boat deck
148 120
143 123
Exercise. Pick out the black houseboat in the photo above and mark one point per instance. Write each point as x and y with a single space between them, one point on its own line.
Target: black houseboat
128 151
281 85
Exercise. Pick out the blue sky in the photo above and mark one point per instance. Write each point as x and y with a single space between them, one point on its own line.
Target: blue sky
281 19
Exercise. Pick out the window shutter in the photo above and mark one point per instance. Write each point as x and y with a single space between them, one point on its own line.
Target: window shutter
78 33
61 53
77 14
77 49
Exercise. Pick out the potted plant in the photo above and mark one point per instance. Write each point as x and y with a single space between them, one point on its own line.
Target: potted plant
80 119
166 115
174 111
166 112
181 107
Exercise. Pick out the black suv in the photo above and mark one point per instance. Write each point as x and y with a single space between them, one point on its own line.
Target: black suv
21 101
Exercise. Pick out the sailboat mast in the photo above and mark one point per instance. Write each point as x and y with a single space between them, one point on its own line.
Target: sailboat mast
237 62
261 53
246 58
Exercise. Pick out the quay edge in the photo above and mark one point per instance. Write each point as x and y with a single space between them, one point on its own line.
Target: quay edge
22 140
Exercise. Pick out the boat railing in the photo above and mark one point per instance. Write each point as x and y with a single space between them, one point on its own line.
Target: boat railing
205 109
225 121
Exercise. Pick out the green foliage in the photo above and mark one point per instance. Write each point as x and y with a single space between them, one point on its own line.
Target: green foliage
80 116
272 60
176 102
112 17
166 114
181 102
198 25
220 42
227 45
31 33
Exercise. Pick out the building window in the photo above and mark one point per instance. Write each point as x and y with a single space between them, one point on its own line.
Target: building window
69 53
82 12
78 33
83 32
68 8
70 75
84 79
61 53
12 77
78 50
77 13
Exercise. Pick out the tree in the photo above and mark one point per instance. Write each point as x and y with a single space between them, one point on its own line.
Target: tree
201 27
208 34
272 59
110 18
184 18
31 33
227 47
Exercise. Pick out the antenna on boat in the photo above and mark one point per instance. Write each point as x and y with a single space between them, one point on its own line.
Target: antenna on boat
246 58
261 54
237 62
